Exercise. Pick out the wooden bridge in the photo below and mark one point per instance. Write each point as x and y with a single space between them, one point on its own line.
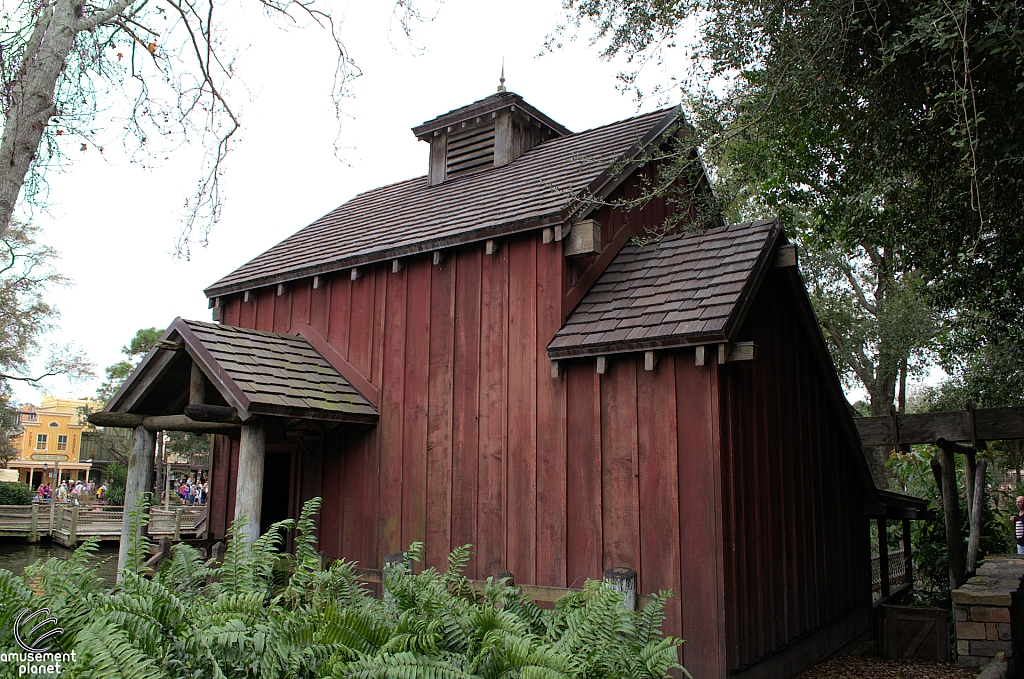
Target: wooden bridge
68 525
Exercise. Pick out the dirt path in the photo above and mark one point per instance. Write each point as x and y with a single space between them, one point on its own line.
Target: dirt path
847 667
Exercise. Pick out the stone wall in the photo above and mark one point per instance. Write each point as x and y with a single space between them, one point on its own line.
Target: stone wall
990 613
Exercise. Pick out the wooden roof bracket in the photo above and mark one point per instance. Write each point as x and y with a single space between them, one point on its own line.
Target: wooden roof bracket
439 256
785 256
736 351
491 246
247 296
602 365
356 273
556 370
650 360
397 265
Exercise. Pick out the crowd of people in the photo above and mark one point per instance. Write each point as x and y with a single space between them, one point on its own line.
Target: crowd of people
75 492
190 492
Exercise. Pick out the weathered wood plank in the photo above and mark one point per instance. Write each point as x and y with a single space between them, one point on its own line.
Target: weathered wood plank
620 501
491 497
414 436
392 416
465 401
439 413
249 489
583 480
551 404
343 321
990 424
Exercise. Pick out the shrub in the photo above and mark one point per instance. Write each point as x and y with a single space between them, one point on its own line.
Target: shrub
12 493
266 613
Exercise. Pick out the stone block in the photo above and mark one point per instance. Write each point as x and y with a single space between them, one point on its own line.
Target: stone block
990 648
982 596
963 647
971 661
961 612
970 630
989 614
990 631
1003 629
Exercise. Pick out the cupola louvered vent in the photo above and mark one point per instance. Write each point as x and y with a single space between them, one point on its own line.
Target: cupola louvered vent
470 149
487 134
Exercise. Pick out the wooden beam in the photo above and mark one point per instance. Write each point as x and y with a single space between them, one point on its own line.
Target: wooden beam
740 351
490 246
280 289
785 255
246 296
161 423
356 273
650 360
196 386
337 360
699 358
584 239
722 353
124 420
316 282
602 364
397 265
438 257
548 235
249 489
989 424
556 370
208 413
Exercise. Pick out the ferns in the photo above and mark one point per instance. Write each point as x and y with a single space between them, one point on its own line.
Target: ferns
264 613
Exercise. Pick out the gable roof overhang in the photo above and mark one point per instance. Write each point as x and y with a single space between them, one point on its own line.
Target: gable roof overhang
696 289
256 373
553 183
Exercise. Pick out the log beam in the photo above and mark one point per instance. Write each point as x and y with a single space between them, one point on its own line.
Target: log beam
163 423
206 413
196 386
249 490
140 471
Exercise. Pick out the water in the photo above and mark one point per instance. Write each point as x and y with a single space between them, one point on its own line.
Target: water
15 554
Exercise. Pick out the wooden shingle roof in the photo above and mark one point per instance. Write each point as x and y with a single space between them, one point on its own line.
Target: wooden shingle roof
275 374
688 289
542 187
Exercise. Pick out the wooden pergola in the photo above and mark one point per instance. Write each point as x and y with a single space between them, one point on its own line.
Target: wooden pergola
212 379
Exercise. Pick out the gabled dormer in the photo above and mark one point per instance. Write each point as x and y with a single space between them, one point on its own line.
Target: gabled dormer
488 133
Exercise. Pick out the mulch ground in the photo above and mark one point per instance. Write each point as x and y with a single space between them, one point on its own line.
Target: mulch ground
848 667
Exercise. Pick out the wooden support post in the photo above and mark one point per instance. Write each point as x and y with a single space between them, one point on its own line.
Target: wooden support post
49 529
602 364
974 537
73 531
699 358
908 560
970 469
249 490
177 523
723 351
883 557
622 579
951 512
196 386
140 470
33 526
650 360
59 526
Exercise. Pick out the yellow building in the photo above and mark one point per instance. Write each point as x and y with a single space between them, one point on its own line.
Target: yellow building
50 440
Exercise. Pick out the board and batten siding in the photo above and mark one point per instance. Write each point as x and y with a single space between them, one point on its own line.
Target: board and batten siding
795 538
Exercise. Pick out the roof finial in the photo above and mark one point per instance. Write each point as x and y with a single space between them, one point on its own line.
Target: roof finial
501 80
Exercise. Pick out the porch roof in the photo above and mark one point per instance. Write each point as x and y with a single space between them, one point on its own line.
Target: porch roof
256 372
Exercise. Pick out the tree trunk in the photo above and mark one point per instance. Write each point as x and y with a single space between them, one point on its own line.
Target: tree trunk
951 512
31 105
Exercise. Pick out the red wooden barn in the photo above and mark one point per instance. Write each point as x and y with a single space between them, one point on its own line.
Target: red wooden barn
483 355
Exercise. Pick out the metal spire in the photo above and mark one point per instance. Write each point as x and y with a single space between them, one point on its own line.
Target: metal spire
501 80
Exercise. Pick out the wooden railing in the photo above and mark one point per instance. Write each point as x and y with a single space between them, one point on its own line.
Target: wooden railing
69 524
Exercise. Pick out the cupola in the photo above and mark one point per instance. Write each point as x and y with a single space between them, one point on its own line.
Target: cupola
488 133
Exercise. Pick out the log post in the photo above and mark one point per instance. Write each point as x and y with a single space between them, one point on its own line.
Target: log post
49 529
622 579
73 531
883 557
974 539
196 386
177 523
33 526
249 490
140 469
951 513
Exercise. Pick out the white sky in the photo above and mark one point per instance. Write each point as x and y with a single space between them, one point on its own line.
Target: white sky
115 223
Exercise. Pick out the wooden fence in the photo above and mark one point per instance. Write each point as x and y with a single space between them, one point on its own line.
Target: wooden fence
68 524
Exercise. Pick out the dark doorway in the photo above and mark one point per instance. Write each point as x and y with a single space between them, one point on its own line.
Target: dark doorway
276 486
